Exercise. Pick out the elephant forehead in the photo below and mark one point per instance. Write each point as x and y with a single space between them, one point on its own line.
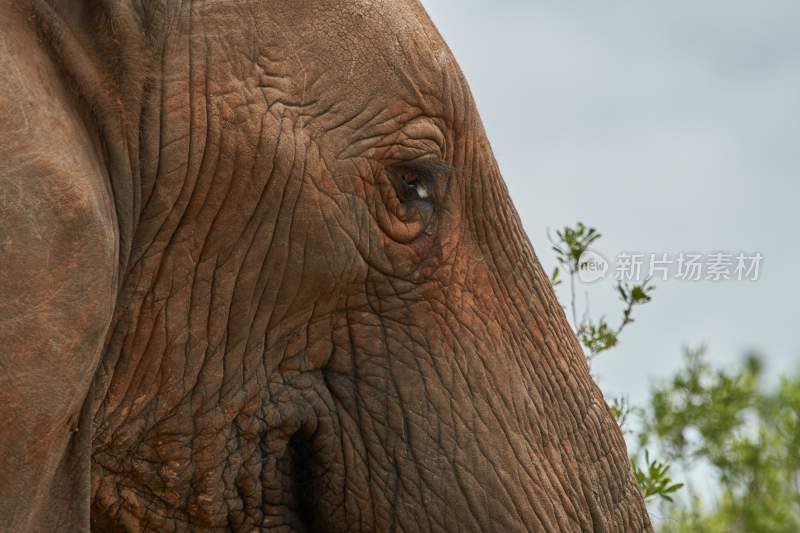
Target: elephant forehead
368 35
382 37
357 55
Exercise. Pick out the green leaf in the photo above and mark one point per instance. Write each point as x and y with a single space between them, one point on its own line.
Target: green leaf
554 277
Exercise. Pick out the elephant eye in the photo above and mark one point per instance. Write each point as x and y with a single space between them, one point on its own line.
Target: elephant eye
413 185
411 199
417 180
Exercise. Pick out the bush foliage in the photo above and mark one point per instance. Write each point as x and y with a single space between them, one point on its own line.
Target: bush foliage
729 423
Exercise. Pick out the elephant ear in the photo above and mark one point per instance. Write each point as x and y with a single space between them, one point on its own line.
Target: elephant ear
58 270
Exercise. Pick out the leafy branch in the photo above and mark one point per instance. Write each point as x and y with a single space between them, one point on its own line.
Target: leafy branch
653 479
570 245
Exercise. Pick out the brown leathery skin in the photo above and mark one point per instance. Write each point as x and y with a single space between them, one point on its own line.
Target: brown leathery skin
223 309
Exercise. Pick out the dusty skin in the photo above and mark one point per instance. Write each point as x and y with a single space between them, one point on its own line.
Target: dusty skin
260 272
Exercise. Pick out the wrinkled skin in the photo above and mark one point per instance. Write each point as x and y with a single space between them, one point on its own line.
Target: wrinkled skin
260 272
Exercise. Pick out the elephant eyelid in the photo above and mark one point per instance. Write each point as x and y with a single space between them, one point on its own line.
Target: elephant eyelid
428 168
431 166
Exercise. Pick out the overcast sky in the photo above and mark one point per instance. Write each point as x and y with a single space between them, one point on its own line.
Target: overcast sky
670 126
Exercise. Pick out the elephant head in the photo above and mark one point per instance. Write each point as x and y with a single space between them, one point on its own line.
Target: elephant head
312 306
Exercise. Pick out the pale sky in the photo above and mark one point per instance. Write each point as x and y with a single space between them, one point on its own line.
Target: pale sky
670 126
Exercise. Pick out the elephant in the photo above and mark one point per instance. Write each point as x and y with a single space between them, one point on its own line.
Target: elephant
260 272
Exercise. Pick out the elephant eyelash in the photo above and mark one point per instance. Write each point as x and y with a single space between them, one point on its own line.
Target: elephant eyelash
430 166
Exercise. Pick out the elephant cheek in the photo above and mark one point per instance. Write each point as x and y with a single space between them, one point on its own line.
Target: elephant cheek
322 261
